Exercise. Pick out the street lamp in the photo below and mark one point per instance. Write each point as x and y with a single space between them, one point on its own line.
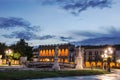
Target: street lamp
109 52
0 56
8 53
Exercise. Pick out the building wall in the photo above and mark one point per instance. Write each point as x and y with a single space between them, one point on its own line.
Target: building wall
92 57
46 53
67 54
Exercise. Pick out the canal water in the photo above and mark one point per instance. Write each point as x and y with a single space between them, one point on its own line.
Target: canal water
97 77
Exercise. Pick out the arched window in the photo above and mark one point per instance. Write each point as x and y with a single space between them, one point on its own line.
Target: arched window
90 52
53 51
59 52
66 52
41 52
96 52
46 53
90 56
63 52
50 53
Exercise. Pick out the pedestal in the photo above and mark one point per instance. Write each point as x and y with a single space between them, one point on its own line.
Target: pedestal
79 63
56 65
79 59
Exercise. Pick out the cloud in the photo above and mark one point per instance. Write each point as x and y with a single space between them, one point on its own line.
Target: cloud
22 35
77 6
14 25
13 22
46 37
111 32
88 34
28 32
27 35
62 38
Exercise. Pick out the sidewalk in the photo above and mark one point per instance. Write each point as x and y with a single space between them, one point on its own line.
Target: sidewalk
21 67
12 66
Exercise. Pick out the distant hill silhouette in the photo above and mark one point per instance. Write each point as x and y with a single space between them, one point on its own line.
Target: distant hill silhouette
99 41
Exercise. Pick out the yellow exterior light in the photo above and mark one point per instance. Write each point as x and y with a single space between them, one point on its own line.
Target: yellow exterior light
105 55
105 51
118 60
102 55
109 48
8 52
0 56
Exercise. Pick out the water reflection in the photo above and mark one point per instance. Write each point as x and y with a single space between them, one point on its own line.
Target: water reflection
97 77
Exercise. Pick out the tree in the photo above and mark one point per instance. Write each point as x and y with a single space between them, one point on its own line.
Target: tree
16 56
3 47
22 48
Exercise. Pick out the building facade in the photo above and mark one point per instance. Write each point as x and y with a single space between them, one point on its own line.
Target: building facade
93 56
67 54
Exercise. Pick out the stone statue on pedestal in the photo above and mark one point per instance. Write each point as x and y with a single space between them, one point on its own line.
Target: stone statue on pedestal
56 64
56 52
79 59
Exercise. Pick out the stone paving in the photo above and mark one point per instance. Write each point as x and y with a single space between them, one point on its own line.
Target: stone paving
22 67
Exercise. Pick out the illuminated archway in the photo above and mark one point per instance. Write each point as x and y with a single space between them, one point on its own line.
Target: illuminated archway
66 52
53 51
43 54
59 52
46 53
50 53
63 52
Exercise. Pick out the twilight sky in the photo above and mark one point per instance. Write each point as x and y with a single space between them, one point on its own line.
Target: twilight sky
58 21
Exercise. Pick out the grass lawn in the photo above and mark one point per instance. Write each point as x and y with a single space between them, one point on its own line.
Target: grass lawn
22 74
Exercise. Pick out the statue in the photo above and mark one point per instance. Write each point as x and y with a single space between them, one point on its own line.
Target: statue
56 52
79 59
56 64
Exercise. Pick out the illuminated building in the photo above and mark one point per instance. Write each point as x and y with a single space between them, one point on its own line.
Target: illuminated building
67 54
46 53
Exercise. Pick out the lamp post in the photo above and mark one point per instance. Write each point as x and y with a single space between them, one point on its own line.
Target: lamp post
8 53
109 52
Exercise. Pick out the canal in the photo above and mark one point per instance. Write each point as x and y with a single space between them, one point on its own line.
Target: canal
113 76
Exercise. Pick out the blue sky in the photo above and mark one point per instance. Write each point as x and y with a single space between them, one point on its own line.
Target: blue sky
58 21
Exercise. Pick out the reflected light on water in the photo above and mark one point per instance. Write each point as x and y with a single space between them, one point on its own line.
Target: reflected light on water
97 77
108 77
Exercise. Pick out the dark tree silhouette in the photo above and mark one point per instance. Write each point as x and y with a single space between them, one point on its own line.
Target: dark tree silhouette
23 48
3 47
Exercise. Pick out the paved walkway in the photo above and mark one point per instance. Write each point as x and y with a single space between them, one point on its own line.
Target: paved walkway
22 67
